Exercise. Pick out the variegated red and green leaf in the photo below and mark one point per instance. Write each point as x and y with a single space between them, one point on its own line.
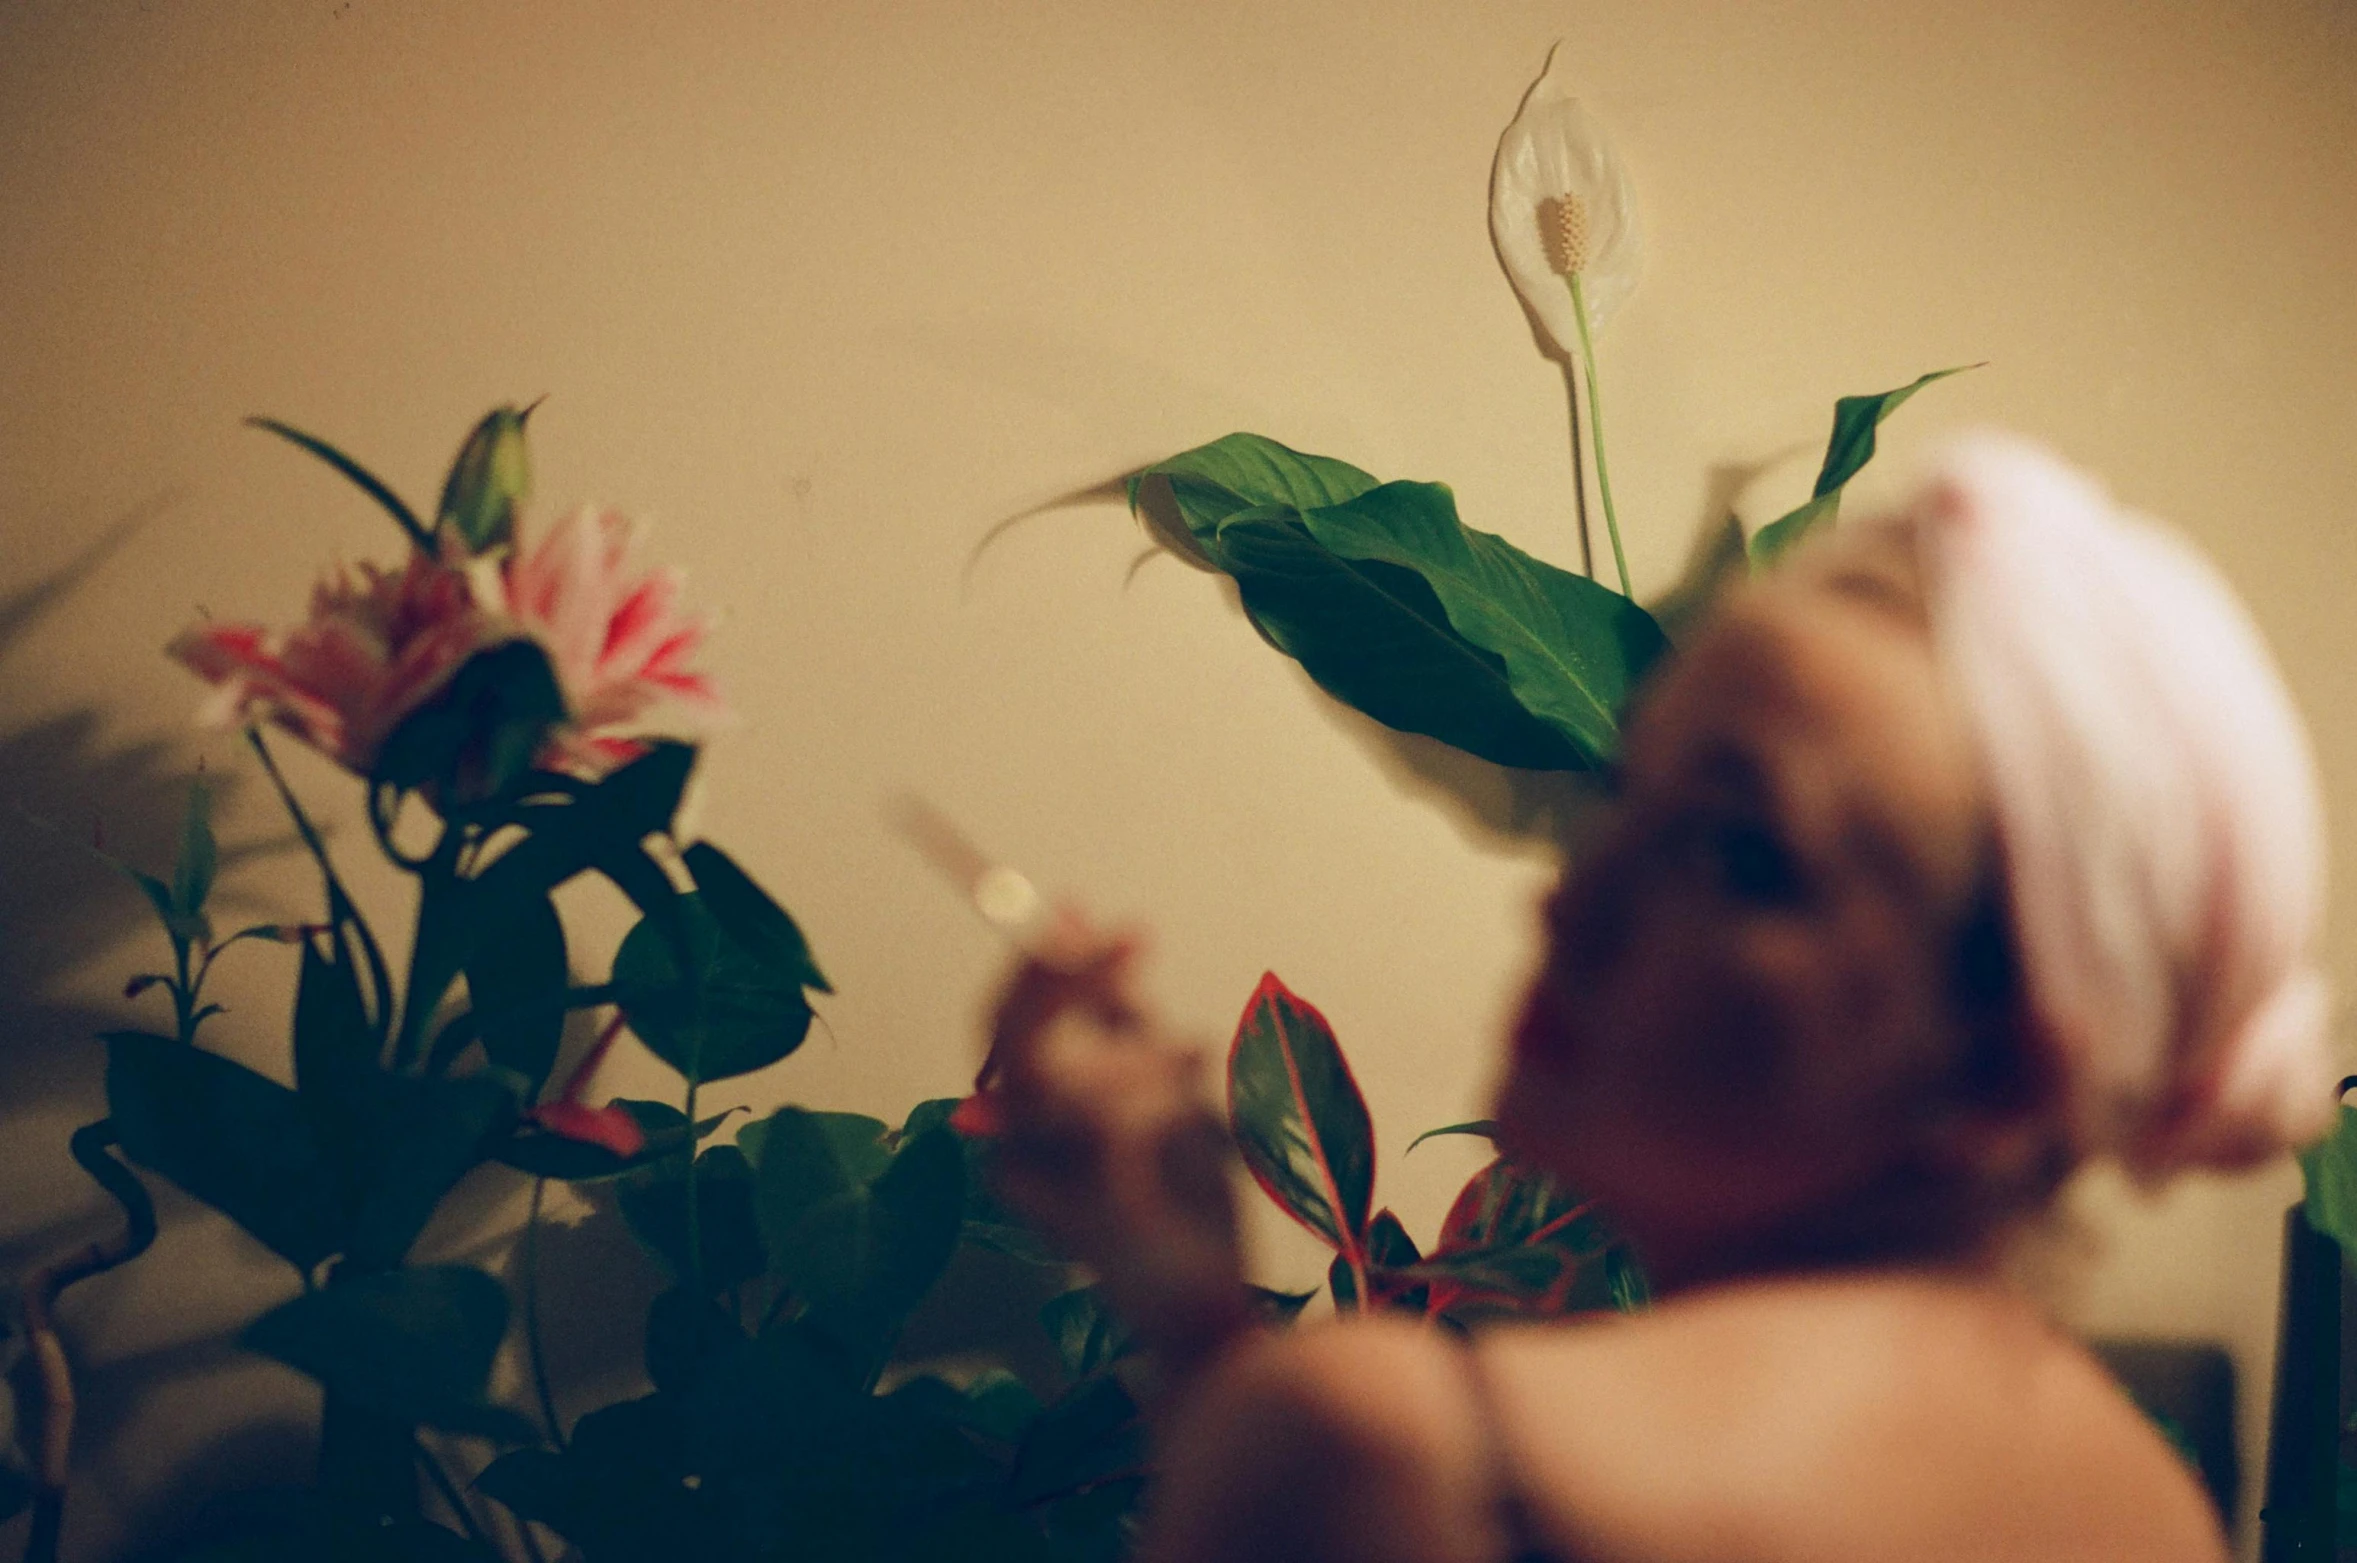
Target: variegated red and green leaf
1300 1122
1515 1240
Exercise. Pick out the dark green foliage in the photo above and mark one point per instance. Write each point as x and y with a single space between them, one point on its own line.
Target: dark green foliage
707 1004
1396 607
414 1344
1855 418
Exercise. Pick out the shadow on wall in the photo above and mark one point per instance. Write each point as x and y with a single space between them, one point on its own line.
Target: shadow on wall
62 785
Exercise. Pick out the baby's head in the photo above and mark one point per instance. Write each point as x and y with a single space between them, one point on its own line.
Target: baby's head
1977 841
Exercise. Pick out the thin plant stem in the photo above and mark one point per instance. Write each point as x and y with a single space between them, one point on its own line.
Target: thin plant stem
1579 308
695 1222
449 1491
340 906
532 1348
1579 474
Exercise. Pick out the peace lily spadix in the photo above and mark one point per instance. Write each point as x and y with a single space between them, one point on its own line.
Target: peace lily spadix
1564 219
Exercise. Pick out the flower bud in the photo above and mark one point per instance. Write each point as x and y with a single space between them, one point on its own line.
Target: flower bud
489 481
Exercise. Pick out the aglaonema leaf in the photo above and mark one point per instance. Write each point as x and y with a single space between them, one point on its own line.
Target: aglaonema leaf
415 1344
1855 418
1396 607
1517 1241
1299 1120
728 1011
241 1143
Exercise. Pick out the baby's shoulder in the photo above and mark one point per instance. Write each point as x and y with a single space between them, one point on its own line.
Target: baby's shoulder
1837 1420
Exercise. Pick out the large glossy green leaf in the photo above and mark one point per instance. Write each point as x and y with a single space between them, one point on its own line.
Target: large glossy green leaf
1299 1119
747 914
516 985
728 1012
1855 418
1397 608
241 1143
1212 483
335 1051
857 1229
415 1344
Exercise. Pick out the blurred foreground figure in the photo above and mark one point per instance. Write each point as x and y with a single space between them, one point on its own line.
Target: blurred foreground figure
1980 841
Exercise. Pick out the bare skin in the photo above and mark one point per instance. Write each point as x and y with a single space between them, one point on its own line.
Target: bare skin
1773 1032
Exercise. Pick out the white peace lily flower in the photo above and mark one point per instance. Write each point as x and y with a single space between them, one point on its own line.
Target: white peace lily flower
1561 206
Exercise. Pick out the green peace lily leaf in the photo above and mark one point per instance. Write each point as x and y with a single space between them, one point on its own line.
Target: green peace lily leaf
367 482
489 481
654 1205
1855 418
2329 1170
730 1012
1238 472
193 869
745 911
1394 606
859 1231
516 986
414 1344
239 1142
1299 1120
1482 1128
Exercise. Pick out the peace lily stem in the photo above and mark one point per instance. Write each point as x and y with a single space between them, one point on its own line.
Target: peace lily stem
1565 220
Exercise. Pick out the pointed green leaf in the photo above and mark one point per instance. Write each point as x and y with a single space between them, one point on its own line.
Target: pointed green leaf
418 1137
750 917
1855 418
367 481
1482 1128
1299 1119
573 1161
727 1013
415 1344
239 1142
477 738
1239 472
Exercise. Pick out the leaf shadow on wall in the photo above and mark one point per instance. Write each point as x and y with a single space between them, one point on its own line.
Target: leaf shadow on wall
62 780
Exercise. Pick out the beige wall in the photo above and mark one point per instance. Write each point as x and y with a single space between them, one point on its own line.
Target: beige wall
844 297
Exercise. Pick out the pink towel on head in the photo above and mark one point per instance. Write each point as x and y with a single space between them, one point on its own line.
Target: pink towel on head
2156 806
